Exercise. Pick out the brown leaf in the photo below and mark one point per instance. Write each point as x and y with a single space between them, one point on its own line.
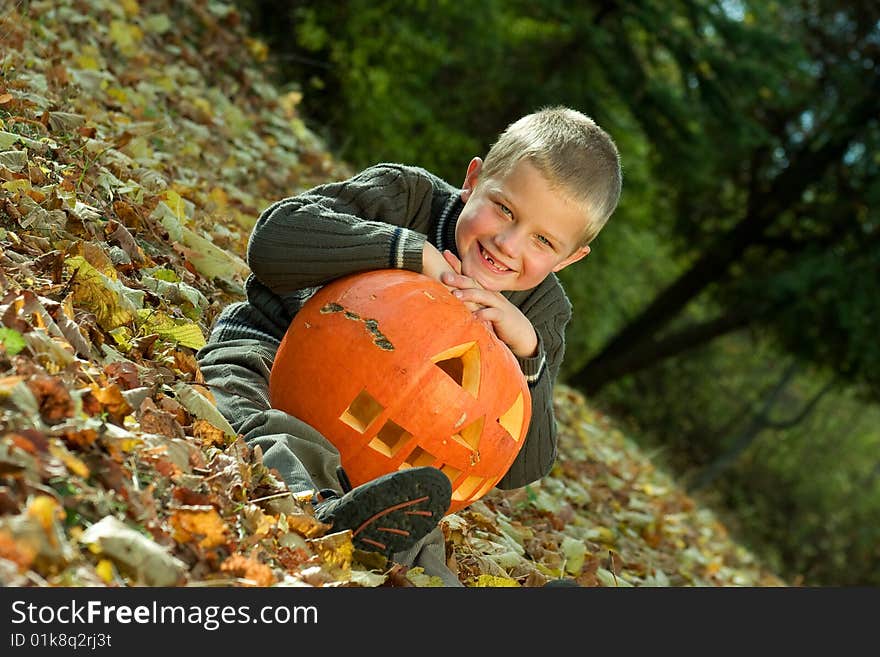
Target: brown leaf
21 554
125 373
200 523
30 441
155 420
241 566
127 214
80 438
306 524
208 434
53 398
112 401
292 558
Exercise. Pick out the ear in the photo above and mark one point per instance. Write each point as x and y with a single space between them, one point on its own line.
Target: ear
579 254
471 177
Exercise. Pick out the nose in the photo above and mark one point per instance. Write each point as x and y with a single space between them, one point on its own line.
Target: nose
508 242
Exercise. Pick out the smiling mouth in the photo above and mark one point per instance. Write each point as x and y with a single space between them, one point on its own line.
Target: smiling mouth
497 266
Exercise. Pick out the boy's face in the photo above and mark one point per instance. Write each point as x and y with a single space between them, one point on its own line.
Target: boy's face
515 230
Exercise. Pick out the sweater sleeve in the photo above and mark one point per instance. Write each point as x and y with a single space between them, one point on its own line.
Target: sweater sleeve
370 221
538 452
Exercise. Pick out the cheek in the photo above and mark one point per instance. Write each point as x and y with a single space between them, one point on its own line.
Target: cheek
480 222
538 266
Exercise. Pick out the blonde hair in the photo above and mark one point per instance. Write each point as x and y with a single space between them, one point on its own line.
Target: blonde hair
572 152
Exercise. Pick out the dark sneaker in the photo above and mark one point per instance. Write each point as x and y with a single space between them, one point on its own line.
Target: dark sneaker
391 513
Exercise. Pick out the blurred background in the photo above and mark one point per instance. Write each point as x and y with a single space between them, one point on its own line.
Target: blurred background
730 311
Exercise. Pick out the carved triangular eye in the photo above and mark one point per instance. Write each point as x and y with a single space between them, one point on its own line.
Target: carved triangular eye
462 365
512 419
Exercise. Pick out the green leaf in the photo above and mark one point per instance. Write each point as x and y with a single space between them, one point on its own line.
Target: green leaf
12 341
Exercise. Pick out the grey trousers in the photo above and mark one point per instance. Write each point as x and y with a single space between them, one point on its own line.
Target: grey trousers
237 372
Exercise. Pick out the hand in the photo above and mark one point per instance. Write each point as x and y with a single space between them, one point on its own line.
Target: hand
440 266
435 264
503 318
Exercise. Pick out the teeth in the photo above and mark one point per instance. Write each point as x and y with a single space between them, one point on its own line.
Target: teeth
492 260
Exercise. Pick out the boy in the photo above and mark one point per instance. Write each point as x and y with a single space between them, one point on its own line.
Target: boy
546 188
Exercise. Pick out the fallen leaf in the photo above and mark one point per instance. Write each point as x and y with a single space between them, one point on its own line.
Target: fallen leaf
134 552
201 524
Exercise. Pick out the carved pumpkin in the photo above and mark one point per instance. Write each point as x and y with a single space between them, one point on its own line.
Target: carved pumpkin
393 369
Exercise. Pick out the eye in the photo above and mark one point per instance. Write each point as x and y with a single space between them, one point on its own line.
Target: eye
544 241
506 210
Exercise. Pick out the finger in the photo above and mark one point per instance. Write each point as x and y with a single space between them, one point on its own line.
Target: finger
458 281
453 260
488 314
478 295
485 319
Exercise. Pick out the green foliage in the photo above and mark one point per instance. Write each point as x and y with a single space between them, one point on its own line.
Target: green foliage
12 341
805 497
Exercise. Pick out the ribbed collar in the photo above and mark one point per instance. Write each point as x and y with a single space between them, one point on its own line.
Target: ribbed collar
444 231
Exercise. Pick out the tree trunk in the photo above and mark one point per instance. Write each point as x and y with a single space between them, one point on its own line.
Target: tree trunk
759 423
747 436
764 208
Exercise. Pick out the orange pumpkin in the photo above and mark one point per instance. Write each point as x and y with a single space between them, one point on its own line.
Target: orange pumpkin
393 369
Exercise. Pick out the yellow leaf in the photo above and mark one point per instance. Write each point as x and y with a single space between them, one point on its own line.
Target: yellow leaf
109 300
418 577
575 554
122 335
46 510
71 462
203 105
118 94
601 534
126 37
89 58
139 149
259 50
305 524
219 197
157 23
105 570
199 523
608 578
494 581
177 204
180 331
16 186
131 7
335 549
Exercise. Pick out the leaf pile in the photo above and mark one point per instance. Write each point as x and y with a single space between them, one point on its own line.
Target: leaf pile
606 516
138 142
